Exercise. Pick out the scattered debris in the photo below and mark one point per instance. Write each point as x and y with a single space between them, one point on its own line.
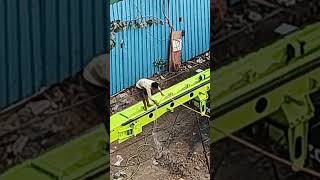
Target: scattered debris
200 60
119 160
285 28
19 144
39 107
254 16
155 162
287 3
163 78
120 174
199 70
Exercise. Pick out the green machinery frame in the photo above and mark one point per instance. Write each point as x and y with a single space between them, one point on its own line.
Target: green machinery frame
77 160
268 84
130 122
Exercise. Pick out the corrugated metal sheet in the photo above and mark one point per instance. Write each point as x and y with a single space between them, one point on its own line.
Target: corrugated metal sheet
44 41
141 47
114 1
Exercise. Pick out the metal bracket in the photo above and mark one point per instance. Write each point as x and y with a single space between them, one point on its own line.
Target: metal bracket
297 111
201 101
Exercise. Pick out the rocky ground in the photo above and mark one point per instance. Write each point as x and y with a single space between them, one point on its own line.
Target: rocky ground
174 151
235 162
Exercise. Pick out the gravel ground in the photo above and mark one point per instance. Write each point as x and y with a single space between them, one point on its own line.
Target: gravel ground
235 162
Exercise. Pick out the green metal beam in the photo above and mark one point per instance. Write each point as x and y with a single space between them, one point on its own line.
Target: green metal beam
264 84
76 160
129 122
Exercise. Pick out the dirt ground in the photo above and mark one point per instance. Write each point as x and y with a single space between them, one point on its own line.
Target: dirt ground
174 151
235 162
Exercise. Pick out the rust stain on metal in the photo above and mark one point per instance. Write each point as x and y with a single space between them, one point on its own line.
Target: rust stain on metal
175 51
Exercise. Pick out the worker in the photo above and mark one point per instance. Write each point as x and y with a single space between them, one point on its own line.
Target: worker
96 82
146 87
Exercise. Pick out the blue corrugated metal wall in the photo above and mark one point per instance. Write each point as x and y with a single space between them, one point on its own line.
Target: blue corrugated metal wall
141 47
44 41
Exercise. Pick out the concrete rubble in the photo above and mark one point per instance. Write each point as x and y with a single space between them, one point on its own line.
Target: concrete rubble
119 175
119 160
39 107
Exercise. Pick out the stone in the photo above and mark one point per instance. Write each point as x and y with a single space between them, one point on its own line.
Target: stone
207 176
123 95
155 162
254 16
119 174
199 61
199 70
119 160
115 108
113 100
39 107
20 144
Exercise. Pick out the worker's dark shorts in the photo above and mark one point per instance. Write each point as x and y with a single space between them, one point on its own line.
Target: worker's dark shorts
142 93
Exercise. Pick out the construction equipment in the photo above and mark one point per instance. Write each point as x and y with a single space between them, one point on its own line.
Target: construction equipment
83 158
129 122
271 84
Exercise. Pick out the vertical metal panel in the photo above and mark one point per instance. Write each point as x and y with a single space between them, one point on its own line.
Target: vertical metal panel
44 41
141 47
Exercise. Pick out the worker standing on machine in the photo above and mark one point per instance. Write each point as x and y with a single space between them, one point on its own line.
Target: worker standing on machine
146 87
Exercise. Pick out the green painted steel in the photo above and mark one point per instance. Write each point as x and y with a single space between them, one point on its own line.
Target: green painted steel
79 159
129 122
265 83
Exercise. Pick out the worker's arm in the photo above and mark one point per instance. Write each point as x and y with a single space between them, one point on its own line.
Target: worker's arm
160 91
150 96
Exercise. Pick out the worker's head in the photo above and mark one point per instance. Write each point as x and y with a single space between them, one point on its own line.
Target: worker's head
154 85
